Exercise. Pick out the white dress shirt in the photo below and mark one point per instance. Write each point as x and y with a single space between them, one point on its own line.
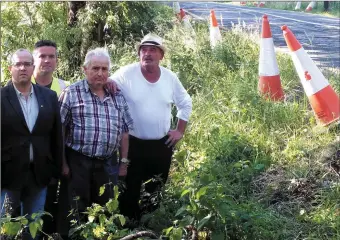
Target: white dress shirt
30 108
150 103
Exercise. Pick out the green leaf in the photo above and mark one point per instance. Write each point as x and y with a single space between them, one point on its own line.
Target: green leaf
181 210
201 192
121 219
194 206
167 231
33 227
101 190
11 228
116 192
40 223
34 215
176 234
187 220
24 221
102 219
185 192
238 165
203 221
112 205
91 218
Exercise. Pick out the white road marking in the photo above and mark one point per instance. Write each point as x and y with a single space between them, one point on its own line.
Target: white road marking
249 10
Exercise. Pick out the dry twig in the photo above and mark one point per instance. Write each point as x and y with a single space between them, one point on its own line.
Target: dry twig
140 234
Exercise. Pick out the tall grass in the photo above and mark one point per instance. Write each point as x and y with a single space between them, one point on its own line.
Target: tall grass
247 168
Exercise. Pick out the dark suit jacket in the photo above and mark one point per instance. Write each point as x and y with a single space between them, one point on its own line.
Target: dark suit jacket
46 138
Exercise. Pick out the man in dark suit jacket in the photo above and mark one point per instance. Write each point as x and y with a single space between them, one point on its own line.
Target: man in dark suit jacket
31 138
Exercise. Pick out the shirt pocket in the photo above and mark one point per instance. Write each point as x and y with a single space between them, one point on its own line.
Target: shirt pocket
82 116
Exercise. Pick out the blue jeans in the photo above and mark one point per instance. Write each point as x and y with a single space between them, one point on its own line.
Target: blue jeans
32 203
27 200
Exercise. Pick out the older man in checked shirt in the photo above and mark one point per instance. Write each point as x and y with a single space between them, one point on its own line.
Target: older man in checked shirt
96 124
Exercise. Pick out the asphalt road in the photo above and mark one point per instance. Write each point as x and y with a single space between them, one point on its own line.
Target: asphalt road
319 35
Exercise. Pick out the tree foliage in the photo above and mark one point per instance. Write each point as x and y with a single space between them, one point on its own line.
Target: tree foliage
75 27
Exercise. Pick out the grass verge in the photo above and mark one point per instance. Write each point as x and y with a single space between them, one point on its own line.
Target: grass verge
247 168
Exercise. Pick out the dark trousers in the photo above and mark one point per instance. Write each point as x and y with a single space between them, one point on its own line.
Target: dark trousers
51 206
150 159
82 188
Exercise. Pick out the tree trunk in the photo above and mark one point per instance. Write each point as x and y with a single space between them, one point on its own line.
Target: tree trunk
326 6
73 44
98 32
74 7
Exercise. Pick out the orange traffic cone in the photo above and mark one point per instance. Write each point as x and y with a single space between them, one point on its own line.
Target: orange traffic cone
323 99
215 34
269 82
181 14
310 6
262 4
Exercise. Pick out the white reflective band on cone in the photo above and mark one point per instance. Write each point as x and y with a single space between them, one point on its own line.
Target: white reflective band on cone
215 35
304 63
311 5
176 7
187 23
267 63
298 6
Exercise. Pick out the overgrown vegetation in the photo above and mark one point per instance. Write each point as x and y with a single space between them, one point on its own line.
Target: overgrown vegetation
333 11
119 24
247 168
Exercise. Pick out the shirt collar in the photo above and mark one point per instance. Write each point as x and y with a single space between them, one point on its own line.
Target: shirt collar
87 87
20 94
35 81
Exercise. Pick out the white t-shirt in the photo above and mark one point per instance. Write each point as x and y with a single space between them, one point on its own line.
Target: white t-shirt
150 103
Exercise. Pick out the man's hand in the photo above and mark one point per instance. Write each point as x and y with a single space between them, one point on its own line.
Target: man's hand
174 137
111 86
65 170
123 169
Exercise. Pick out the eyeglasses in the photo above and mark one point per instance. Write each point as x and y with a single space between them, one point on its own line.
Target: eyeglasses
25 64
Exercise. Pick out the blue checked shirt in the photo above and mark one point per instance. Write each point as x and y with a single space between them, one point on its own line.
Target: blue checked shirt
93 127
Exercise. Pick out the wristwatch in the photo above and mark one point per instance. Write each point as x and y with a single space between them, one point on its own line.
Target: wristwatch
125 160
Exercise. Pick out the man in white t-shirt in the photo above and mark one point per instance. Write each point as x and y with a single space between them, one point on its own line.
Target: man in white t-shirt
150 90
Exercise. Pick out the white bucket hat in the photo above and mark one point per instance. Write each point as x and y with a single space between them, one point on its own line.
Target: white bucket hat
151 40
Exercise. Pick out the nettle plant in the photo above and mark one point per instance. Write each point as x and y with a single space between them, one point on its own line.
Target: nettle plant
104 222
12 228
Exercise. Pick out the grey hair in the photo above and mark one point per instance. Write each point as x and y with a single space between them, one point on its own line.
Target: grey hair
97 52
18 51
